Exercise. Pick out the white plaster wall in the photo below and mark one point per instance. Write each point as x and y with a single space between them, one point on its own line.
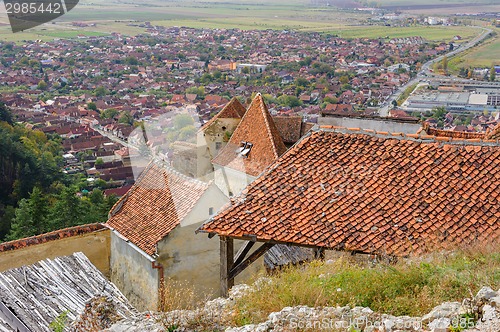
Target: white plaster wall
206 143
193 261
133 274
230 180
378 125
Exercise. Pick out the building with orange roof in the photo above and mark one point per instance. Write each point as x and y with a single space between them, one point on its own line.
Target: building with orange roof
215 134
153 237
255 144
368 192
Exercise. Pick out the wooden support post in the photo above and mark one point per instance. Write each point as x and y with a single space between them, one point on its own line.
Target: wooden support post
226 263
252 258
319 253
240 256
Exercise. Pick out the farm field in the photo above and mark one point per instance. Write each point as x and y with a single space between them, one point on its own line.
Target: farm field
267 14
485 55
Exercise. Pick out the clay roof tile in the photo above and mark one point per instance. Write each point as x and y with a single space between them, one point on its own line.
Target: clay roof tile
334 185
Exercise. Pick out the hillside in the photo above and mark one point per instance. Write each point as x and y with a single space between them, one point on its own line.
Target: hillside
451 290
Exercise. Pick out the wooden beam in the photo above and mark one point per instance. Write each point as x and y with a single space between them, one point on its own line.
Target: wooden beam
252 258
319 253
240 256
226 263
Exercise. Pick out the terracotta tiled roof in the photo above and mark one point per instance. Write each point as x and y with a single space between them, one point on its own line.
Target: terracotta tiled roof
494 133
257 127
159 200
450 133
52 236
372 192
289 127
233 110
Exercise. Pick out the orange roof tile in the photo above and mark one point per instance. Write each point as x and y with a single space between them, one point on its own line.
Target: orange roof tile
159 200
289 127
233 110
256 127
372 193
494 133
490 134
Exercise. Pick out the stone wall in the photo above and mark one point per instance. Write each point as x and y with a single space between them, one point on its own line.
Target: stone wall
384 125
95 245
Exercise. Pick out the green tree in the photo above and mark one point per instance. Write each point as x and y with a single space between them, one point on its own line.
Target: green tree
344 79
109 113
31 216
331 100
100 91
66 211
42 85
5 114
300 81
187 133
126 118
493 74
290 101
92 106
444 63
131 60
182 121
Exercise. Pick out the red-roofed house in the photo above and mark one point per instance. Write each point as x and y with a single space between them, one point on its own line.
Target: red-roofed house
255 144
369 192
215 134
153 237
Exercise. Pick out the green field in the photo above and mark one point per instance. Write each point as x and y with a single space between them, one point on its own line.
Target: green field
298 15
483 56
432 2
430 33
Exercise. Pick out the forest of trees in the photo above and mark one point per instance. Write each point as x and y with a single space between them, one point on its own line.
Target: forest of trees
35 195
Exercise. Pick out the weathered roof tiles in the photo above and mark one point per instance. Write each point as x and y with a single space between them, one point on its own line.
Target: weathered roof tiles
34 296
154 206
256 127
371 192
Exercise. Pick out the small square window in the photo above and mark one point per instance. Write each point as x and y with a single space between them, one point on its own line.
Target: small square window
218 145
210 211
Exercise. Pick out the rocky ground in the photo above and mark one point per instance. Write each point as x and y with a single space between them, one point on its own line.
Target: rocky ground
480 313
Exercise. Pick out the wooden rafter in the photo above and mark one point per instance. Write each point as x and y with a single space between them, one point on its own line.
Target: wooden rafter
231 266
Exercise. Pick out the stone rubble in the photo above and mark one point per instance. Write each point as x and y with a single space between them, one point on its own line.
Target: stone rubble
481 313
100 312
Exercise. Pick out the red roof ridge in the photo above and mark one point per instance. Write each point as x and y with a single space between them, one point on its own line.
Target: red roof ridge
51 236
494 133
270 126
422 136
364 192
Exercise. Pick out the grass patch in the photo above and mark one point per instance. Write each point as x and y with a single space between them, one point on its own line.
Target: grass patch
410 287
406 94
73 34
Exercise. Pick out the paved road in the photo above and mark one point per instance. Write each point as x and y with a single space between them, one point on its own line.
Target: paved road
114 138
425 72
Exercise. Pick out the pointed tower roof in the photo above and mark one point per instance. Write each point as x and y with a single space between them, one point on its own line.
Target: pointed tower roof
256 142
233 110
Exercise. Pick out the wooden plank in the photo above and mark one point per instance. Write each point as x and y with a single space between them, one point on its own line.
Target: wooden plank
252 258
226 262
240 256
